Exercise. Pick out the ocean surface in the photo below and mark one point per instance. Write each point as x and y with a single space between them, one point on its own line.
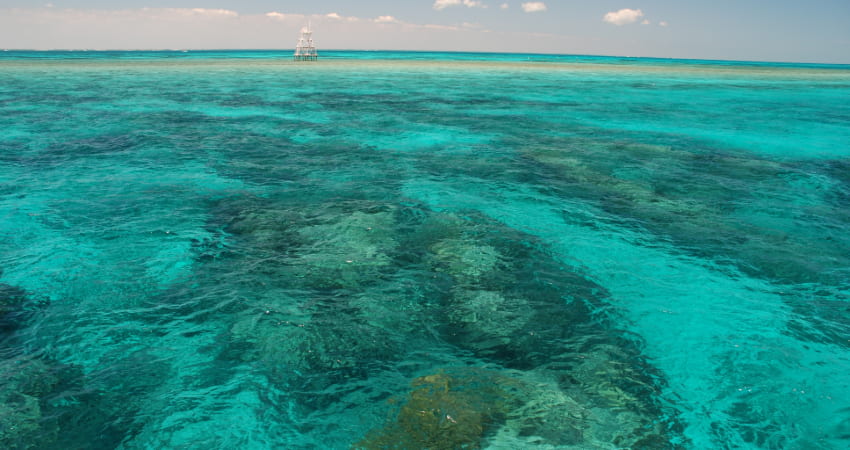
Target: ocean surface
232 250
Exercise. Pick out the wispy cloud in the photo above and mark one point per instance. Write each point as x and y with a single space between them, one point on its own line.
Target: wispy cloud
386 19
662 24
199 28
215 12
336 16
281 16
531 7
191 12
432 26
623 17
440 5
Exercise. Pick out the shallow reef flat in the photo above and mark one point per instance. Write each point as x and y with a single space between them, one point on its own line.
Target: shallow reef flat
406 250
340 61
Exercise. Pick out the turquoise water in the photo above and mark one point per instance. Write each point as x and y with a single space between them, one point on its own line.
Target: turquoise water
420 250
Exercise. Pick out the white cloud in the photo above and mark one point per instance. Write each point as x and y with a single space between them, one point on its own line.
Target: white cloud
531 7
281 17
336 16
443 4
623 16
170 14
187 28
277 16
439 27
645 22
504 6
386 19
164 14
662 24
205 12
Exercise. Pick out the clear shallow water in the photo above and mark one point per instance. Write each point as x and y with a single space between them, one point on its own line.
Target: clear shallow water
236 251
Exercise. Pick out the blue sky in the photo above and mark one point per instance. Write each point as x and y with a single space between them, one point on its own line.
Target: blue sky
778 30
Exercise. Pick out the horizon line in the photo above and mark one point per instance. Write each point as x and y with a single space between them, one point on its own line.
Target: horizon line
182 50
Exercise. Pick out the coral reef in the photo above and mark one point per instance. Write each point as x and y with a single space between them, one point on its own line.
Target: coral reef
43 407
466 259
521 312
340 245
15 307
351 287
347 252
715 213
320 344
471 408
446 410
24 381
45 404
